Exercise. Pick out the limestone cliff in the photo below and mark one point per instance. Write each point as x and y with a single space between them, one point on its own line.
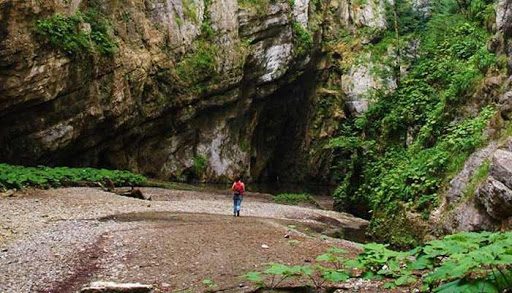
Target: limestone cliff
146 108
191 88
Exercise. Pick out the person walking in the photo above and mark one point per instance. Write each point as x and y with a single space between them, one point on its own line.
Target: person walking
238 195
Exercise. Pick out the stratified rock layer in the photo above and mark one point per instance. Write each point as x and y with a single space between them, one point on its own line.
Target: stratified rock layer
261 110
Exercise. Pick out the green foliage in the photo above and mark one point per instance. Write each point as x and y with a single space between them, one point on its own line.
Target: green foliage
189 10
44 177
398 155
293 198
200 163
209 283
459 262
260 6
478 177
318 275
302 39
198 65
64 33
463 262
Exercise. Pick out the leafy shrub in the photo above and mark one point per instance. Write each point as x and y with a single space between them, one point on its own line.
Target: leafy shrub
303 41
44 177
293 198
463 262
200 64
260 6
64 33
200 163
318 275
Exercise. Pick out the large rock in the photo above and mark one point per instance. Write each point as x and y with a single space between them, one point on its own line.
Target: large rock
501 167
112 287
460 182
490 205
504 17
468 216
495 193
370 13
360 81
497 198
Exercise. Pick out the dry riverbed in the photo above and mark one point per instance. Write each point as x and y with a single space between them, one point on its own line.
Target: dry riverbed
62 239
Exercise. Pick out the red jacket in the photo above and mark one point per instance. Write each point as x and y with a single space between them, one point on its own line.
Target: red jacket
239 187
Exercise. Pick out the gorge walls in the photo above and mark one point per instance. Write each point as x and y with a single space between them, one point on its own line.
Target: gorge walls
178 89
181 96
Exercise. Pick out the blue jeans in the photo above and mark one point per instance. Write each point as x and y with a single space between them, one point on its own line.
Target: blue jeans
237 202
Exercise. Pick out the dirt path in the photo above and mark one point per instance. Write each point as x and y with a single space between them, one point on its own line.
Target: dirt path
59 240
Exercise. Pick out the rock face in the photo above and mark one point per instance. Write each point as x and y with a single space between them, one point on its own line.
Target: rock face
111 287
131 110
491 206
501 167
195 90
497 199
460 182
496 194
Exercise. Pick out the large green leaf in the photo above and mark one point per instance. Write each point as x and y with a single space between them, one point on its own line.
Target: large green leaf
335 276
253 277
461 286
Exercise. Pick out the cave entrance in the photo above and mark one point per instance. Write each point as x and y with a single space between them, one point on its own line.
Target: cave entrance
278 143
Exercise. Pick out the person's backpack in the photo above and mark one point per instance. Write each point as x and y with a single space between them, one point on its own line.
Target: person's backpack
239 187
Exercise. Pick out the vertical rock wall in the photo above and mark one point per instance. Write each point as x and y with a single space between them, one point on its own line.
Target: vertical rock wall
261 109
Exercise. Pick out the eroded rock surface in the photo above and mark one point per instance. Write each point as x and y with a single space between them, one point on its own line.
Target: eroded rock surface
495 193
490 208
137 110
112 287
497 198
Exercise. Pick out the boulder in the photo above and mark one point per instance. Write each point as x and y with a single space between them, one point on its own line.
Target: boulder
504 16
496 197
469 215
8 193
501 167
112 287
505 104
460 182
135 193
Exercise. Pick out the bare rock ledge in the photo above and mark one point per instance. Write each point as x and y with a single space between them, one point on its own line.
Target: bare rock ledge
112 287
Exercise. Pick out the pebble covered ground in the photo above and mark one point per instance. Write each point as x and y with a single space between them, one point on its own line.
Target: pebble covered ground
62 239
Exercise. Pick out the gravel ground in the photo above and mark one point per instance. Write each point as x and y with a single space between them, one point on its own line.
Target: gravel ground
59 240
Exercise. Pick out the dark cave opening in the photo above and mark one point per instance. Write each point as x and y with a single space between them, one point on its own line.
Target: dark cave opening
278 142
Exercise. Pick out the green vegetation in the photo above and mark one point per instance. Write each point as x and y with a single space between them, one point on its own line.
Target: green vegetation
293 198
259 5
44 177
200 64
209 284
303 41
200 163
463 262
397 157
478 177
189 10
69 33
